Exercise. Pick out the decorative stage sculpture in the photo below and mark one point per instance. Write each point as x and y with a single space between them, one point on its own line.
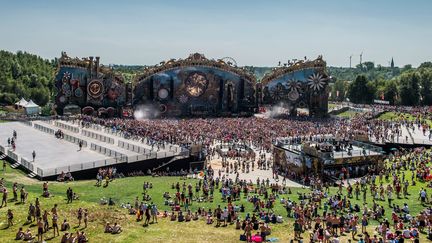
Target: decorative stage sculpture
300 85
196 86
89 86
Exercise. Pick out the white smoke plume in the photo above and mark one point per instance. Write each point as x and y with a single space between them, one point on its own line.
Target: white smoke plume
143 112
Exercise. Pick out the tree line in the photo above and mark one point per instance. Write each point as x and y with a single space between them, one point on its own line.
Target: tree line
412 87
25 75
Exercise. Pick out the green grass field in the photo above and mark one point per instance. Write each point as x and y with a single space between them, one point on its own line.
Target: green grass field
348 114
125 190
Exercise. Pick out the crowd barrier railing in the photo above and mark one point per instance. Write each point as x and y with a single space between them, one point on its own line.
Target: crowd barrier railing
133 147
78 167
97 136
28 123
75 140
106 151
44 129
27 164
67 127
141 157
13 156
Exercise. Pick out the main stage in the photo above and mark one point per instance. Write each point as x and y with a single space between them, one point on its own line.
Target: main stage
101 147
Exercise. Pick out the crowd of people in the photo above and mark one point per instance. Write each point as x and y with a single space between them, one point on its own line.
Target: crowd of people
248 206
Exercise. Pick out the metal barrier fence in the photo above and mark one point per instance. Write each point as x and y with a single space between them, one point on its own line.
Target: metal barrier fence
44 129
12 155
132 147
67 127
97 136
106 151
78 167
27 164
141 157
75 140
28 123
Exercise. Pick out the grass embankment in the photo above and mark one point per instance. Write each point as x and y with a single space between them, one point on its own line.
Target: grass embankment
399 116
126 189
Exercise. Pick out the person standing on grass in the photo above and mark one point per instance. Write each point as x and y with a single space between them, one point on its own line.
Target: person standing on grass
15 191
85 218
23 195
79 216
4 165
4 198
69 194
55 225
147 215
154 213
9 218
40 226
45 221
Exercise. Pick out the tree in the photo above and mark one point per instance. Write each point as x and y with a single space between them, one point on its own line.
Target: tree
21 74
40 96
360 91
391 92
407 67
425 65
369 65
426 87
338 88
409 89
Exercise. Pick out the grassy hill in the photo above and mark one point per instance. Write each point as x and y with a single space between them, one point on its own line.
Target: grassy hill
126 189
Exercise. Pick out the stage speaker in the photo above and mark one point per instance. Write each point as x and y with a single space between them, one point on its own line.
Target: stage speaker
129 93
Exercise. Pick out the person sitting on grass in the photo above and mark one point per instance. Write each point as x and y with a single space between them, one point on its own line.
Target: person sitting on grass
65 225
195 216
108 228
81 237
181 217
132 211
173 216
28 235
20 234
111 202
116 229
188 216
238 224
65 238
209 219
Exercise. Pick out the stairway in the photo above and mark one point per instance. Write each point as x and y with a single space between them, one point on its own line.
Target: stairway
175 158
14 166
31 174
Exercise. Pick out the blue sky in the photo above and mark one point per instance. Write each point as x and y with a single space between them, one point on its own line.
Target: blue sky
259 33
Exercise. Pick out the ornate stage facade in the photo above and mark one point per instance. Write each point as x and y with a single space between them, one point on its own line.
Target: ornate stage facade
84 86
303 84
194 86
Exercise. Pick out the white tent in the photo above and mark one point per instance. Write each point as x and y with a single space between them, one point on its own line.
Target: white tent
21 103
31 108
